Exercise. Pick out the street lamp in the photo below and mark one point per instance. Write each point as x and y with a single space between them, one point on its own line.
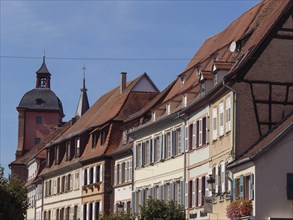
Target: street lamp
120 207
210 182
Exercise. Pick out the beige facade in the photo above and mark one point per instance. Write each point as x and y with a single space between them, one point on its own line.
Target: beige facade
221 152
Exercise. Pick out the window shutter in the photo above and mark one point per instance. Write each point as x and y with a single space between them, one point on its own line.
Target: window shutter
241 186
160 148
221 119
215 124
186 195
251 191
199 191
200 132
234 189
172 191
223 178
207 129
193 192
88 175
183 134
181 192
101 172
134 156
163 146
207 186
217 179
130 170
228 114
55 186
120 174
194 138
133 202
162 196
115 175
143 154
173 143
94 174
101 207
152 153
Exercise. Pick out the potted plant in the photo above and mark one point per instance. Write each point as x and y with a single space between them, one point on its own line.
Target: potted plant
238 209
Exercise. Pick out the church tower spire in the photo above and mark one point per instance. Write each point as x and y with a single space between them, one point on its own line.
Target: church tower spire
83 103
43 75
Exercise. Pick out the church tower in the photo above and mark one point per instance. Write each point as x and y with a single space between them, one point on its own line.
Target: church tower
83 103
39 112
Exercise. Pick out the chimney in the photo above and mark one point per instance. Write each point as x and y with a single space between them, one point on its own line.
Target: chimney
123 82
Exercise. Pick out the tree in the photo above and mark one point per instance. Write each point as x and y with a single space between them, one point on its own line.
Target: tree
13 198
157 209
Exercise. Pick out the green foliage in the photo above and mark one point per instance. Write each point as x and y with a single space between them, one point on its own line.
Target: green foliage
157 209
13 198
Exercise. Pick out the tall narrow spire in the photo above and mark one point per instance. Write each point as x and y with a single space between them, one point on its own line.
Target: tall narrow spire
43 75
83 103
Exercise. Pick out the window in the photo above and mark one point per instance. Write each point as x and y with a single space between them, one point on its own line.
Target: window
57 155
138 155
124 137
167 192
154 115
191 193
243 187
199 127
147 152
204 129
221 119
68 150
168 143
94 140
58 185
37 141
123 172
290 186
76 181
184 100
228 114
215 134
178 140
215 77
103 138
48 158
168 108
178 192
157 146
85 177
77 147
38 120
202 87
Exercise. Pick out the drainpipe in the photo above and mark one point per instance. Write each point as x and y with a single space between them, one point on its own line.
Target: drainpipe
184 152
234 131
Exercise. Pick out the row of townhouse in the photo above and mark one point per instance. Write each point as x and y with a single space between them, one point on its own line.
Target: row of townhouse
220 131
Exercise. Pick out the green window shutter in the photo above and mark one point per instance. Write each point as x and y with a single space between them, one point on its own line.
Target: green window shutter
234 189
241 186
251 190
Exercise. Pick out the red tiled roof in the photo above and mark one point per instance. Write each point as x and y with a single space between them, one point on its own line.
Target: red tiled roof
250 29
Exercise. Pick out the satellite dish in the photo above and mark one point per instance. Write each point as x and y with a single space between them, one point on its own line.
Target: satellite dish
233 46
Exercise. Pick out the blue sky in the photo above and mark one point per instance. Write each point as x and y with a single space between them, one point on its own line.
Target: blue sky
107 37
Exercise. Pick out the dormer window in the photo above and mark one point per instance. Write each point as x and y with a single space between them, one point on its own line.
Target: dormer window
215 77
124 137
48 158
94 140
168 108
77 147
68 150
57 155
202 87
154 115
184 100
182 80
103 138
